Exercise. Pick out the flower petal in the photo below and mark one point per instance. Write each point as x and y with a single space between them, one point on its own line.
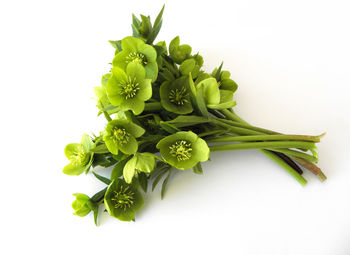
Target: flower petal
136 71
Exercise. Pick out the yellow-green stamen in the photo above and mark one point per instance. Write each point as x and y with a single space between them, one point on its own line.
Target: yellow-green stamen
124 198
120 136
178 96
136 57
129 87
181 150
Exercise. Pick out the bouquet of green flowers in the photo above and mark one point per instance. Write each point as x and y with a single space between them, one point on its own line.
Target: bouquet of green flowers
164 114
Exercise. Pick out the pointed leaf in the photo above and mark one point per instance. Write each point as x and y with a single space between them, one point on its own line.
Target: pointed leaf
165 182
102 178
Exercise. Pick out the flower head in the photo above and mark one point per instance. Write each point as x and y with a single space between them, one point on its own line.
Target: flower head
123 200
137 51
129 90
183 150
175 96
120 135
79 155
81 205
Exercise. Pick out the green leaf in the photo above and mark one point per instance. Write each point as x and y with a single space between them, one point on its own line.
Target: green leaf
100 149
156 27
116 44
143 181
165 182
129 169
145 26
169 128
135 21
102 178
98 196
197 169
104 160
157 179
200 102
95 210
118 169
185 121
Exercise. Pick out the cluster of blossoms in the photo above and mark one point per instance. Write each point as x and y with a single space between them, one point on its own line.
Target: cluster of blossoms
164 114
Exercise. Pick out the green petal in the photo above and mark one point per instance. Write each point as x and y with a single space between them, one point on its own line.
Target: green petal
145 92
136 70
200 150
149 52
134 129
120 59
86 142
111 145
119 74
71 169
130 147
151 70
129 169
132 44
134 104
71 149
211 91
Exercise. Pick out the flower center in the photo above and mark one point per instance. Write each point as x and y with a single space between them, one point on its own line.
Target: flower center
181 150
136 57
178 97
129 87
124 198
79 157
120 136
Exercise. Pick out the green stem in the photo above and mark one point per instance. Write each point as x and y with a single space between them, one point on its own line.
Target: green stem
262 145
284 165
232 116
153 107
247 126
228 138
237 130
108 118
298 154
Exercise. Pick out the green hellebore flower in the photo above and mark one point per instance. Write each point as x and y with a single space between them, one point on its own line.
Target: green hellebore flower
211 91
79 155
81 205
137 51
183 149
141 162
175 96
120 134
178 52
224 81
123 200
129 90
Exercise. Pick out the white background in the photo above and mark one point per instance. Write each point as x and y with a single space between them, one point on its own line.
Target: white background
291 61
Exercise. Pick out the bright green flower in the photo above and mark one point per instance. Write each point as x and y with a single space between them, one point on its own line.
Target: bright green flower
224 81
81 205
178 52
79 155
175 96
121 135
183 150
141 162
211 92
129 90
123 200
137 51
